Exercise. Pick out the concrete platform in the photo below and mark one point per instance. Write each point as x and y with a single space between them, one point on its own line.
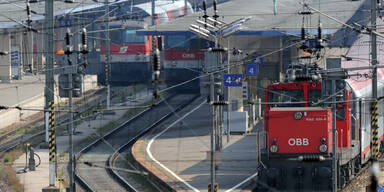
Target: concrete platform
33 181
178 155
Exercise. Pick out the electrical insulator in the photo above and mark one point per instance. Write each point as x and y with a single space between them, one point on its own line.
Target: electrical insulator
84 38
67 37
156 72
68 51
156 60
215 16
28 13
159 43
214 6
205 7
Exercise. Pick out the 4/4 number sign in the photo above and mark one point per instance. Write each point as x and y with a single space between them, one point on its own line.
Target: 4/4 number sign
233 80
252 69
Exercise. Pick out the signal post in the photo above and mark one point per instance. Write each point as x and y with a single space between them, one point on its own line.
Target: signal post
70 85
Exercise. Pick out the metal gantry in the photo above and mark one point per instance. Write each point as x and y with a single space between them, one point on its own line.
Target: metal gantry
213 29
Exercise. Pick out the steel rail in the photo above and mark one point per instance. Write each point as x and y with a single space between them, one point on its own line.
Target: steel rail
126 185
78 178
5 147
112 159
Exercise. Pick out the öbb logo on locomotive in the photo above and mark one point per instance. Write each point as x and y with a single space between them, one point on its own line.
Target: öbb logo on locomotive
123 49
298 141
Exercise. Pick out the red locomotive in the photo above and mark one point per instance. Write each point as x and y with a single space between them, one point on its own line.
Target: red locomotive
129 53
298 127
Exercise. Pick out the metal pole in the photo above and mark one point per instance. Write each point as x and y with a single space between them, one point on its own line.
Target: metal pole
334 161
373 48
217 125
228 93
70 114
153 6
374 112
108 55
185 7
49 87
70 131
258 148
153 13
220 111
212 135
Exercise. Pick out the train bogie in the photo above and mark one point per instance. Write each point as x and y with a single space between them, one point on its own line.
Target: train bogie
294 175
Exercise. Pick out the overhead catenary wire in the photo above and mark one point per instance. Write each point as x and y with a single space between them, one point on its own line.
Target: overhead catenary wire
245 14
164 90
241 63
229 65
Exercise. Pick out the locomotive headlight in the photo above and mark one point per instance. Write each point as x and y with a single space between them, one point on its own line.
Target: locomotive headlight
298 115
273 148
323 148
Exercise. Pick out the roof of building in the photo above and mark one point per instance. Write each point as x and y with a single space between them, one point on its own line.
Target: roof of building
263 21
11 10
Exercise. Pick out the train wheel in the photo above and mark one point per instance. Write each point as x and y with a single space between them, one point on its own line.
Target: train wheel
342 177
357 165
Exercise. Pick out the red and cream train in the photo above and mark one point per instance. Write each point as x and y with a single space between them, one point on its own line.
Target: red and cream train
298 127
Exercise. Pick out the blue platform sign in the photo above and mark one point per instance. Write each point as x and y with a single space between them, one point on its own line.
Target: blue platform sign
233 80
65 22
251 69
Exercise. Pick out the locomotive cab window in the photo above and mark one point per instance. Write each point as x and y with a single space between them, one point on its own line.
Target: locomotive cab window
130 36
115 36
199 43
176 41
286 98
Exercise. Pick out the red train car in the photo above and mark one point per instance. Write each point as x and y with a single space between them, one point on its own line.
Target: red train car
129 52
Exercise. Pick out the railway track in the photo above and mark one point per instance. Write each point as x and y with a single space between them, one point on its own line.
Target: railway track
104 151
10 140
37 137
361 180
